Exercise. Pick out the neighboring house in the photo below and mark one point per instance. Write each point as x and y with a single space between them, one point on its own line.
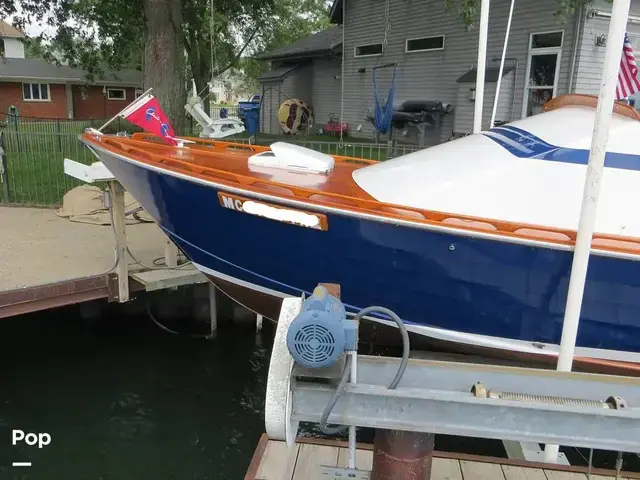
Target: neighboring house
11 45
436 59
37 89
309 70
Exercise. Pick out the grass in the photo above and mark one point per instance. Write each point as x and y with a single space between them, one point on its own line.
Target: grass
36 152
35 166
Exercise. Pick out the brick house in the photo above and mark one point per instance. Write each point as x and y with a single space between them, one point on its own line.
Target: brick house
38 89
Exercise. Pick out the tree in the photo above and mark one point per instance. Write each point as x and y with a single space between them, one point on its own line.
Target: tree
151 35
291 21
215 42
469 10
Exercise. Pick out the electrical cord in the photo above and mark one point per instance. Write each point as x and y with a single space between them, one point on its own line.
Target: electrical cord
167 329
334 399
405 339
347 369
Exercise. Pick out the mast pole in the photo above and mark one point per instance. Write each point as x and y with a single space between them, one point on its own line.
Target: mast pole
595 167
502 60
482 65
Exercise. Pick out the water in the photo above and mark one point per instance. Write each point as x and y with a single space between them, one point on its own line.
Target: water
123 400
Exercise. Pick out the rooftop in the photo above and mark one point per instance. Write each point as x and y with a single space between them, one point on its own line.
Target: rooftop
20 69
324 42
9 31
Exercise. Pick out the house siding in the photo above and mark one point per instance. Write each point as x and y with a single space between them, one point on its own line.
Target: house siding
271 99
591 57
433 75
296 84
326 90
464 113
11 94
13 48
94 104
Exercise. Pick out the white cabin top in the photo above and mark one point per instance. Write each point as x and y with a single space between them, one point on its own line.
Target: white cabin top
529 171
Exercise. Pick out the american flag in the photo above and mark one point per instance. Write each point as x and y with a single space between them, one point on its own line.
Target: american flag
628 82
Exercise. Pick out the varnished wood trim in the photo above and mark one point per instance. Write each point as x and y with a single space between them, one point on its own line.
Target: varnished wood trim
365 205
583 100
252 471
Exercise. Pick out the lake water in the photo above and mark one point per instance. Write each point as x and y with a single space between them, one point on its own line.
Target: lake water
124 400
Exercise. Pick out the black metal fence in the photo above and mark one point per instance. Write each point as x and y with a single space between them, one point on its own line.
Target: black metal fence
32 156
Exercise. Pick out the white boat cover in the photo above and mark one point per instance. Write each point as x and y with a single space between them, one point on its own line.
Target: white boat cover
529 171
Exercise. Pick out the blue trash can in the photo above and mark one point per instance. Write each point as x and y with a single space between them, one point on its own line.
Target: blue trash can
252 119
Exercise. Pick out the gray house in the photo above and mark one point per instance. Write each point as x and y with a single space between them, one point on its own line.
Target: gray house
309 70
435 58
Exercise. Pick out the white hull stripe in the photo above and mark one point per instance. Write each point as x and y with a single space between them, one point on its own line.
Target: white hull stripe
496 343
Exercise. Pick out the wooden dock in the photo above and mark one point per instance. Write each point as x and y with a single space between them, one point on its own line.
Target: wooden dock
273 460
48 261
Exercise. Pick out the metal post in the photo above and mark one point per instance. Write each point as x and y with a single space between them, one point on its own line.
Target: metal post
4 174
213 311
402 455
482 62
119 225
259 320
502 60
586 226
170 253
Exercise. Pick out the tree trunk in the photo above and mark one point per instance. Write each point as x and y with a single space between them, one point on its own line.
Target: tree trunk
164 58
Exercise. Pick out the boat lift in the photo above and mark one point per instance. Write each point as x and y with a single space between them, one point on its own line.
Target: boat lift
315 347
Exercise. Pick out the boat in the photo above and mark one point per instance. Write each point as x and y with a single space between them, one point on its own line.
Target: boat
470 242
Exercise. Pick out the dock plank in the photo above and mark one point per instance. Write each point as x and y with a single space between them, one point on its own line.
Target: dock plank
480 471
557 475
163 278
278 462
445 469
601 477
512 472
364 459
311 458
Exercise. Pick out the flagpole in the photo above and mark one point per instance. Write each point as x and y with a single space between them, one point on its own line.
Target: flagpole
482 65
595 167
125 108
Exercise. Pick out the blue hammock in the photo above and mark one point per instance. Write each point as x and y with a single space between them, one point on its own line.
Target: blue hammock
383 114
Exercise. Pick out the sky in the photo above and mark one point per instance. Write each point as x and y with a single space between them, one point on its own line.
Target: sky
34 29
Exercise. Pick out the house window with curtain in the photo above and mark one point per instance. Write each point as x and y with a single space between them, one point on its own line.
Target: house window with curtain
36 92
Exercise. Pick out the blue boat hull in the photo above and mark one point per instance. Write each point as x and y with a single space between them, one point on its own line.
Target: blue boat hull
475 286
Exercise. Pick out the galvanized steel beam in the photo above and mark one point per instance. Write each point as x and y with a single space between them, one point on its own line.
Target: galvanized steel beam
436 397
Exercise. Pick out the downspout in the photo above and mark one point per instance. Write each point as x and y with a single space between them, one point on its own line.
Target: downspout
576 41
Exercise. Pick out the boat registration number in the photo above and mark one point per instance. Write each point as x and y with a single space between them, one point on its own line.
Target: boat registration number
301 218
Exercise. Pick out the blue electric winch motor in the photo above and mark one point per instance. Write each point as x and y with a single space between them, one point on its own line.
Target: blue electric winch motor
321 333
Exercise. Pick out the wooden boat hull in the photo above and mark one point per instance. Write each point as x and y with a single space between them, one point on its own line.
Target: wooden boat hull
467 288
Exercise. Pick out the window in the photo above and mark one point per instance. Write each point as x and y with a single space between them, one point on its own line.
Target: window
116 94
139 93
425 44
543 65
36 92
1 47
368 50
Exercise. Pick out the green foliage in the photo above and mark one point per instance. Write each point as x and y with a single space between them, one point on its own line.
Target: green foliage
469 10
291 21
